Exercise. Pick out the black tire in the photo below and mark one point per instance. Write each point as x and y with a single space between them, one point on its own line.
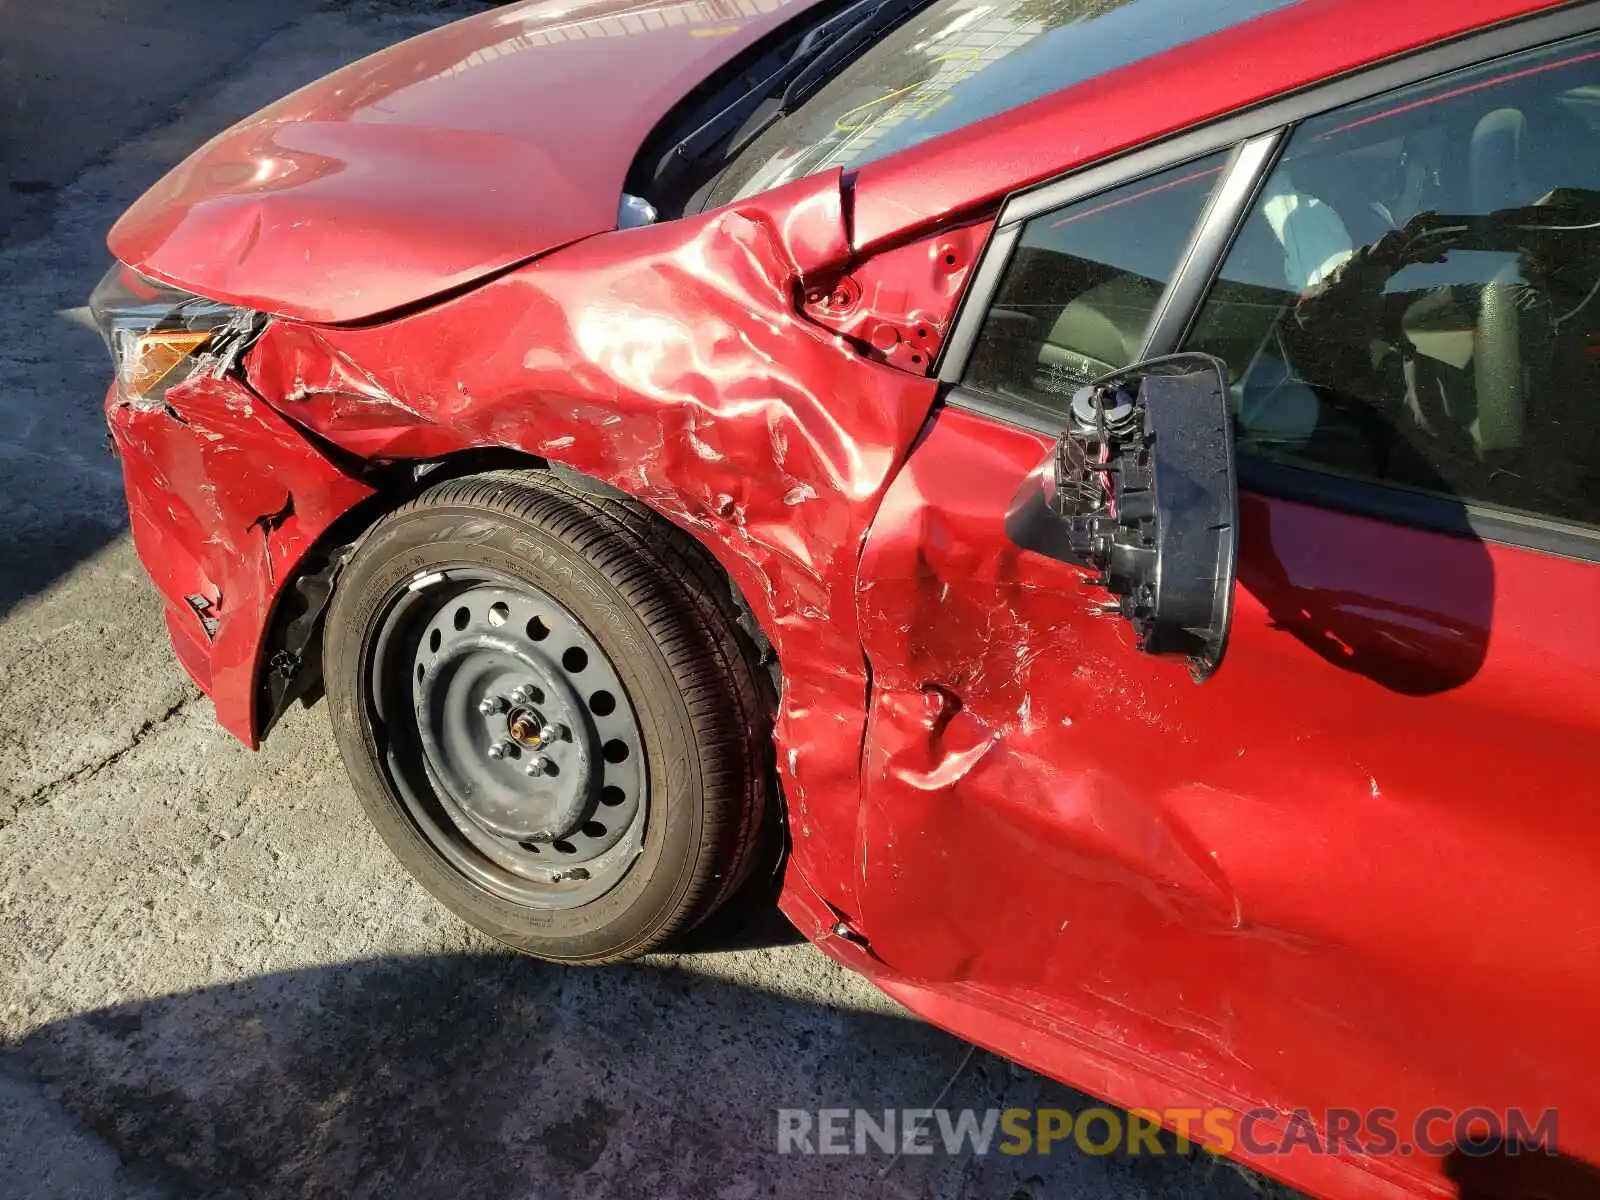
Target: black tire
654 603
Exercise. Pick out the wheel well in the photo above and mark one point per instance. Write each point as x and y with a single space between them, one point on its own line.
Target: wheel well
289 666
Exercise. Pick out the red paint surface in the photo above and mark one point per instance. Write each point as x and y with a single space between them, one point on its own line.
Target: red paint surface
670 362
896 307
434 162
484 143
224 499
1354 869
1093 1062
1358 868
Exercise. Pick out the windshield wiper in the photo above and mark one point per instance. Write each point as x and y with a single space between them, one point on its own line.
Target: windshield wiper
815 58
830 57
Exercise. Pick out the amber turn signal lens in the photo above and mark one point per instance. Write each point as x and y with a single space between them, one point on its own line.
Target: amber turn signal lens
153 356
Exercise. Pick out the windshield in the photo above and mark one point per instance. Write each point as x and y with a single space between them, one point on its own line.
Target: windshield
958 61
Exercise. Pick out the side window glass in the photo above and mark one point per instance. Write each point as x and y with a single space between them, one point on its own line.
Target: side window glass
1413 298
1082 285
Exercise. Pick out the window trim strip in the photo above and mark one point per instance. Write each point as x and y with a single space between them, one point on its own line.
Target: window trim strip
1415 509
1247 170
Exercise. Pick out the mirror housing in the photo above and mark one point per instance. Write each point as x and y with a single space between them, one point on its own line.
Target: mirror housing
1142 490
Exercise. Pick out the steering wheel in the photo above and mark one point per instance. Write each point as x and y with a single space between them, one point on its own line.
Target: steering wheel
1505 324
1429 236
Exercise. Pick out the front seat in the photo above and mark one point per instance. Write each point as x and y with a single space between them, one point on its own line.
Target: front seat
1501 170
1101 330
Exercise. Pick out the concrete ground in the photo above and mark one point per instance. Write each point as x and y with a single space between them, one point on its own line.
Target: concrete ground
213 979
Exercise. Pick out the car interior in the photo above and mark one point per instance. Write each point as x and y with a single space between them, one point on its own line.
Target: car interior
1109 259
1411 298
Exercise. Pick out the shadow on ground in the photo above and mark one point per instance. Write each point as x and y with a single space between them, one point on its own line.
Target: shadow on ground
491 1075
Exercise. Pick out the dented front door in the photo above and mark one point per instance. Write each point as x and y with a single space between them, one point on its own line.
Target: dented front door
1336 875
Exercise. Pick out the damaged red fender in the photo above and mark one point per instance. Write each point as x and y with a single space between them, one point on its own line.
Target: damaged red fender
672 362
225 497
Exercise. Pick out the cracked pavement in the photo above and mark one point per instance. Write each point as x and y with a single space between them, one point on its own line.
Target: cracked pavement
213 978
42 794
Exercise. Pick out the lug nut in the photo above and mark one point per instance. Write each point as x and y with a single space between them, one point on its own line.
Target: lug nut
491 705
522 695
497 751
552 733
538 766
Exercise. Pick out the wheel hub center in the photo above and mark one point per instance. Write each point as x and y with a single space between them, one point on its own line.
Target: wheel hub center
526 727
526 738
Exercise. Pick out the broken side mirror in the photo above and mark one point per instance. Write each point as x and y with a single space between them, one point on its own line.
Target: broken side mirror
1141 490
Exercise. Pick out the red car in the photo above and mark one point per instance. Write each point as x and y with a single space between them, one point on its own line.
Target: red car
1114 486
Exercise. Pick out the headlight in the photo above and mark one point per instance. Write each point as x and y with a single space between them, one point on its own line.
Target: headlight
157 334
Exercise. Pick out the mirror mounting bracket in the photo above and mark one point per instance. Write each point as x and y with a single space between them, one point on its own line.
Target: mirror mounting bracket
1143 484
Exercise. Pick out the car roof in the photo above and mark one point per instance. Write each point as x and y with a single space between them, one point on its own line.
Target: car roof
1186 85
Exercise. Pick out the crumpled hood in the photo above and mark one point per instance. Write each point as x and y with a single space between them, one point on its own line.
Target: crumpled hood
435 162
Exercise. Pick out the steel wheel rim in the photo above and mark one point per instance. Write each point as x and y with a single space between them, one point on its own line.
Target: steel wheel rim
467 662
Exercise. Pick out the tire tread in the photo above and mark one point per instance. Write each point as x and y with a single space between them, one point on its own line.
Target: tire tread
692 613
